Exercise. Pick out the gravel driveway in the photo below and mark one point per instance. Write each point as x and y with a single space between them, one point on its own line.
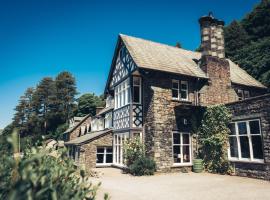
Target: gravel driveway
179 186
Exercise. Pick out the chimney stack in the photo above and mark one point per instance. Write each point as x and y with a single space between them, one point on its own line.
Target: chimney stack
212 36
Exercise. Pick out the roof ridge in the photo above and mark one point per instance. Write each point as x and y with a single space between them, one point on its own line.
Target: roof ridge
147 40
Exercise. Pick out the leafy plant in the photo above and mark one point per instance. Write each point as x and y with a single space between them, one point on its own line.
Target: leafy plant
213 139
136 161
39 175
143 166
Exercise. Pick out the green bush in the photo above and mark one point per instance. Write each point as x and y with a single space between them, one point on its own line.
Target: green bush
143 166
138 164
213 139
39 175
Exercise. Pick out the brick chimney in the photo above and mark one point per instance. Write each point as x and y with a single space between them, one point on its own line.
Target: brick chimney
218 90
212 36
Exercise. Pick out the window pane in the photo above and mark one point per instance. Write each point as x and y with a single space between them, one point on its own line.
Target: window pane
175 93
183 86
244 144
176 138
242 128
176 154
185 138
246 94
257 147
233 146
186 157
100 150
183 94
175 85
109 150
109 158
254 127
232 129
100 158
136 80
136 94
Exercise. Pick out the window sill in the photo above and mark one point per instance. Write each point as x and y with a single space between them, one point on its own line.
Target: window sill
248 161
182 101
182 165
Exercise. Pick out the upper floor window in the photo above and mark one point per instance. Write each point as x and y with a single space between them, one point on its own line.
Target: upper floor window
180 90
121 94
245 141
243 94
108 120
137 89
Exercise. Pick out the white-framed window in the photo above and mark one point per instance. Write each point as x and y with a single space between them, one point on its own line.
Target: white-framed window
180 90
122 94
108 120
137 92
119 140
245 141
104 155
243 94
181 148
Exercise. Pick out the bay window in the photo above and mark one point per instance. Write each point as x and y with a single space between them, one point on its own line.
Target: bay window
136 89
245 141
181 148
180 90
121 94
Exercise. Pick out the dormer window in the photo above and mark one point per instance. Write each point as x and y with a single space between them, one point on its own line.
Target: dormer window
243 94
180 90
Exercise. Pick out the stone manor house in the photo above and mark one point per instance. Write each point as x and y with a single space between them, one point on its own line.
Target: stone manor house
154 90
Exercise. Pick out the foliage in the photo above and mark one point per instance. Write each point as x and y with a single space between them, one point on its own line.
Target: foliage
133 150
143 166
41 110
213 138
136 161
38 175
87 104
248 42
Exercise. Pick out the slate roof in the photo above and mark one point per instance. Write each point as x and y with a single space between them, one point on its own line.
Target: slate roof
152 55
105 110
87 137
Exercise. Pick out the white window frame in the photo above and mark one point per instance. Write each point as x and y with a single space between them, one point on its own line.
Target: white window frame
179 90
105 153
121 94
245 94
118 154
237 136
182 163
108 120
140 89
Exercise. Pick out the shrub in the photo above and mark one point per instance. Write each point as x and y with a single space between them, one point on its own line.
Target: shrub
213 139
143 166
136 161
133 150
38 175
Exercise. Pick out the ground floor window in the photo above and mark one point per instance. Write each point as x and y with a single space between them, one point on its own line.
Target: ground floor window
181 148
104 155
118 143
246 141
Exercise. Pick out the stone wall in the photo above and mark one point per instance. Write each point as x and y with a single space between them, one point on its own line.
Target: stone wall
162 115
218 89
256 107
89 149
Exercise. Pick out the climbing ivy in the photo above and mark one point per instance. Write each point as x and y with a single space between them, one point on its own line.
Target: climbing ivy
213 139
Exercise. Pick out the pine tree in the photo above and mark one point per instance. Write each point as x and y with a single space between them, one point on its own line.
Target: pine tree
87 104
65 94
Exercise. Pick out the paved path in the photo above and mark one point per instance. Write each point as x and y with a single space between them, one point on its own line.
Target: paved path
180 186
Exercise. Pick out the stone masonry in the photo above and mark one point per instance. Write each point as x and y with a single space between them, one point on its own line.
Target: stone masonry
88 149
77 131
256 107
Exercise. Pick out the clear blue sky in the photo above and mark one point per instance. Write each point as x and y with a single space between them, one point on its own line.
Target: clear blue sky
44 37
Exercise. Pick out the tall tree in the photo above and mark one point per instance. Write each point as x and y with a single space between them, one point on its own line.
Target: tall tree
87 104
65 93
235 38
45 101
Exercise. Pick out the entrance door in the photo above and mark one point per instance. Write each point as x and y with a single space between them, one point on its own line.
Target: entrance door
118 142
